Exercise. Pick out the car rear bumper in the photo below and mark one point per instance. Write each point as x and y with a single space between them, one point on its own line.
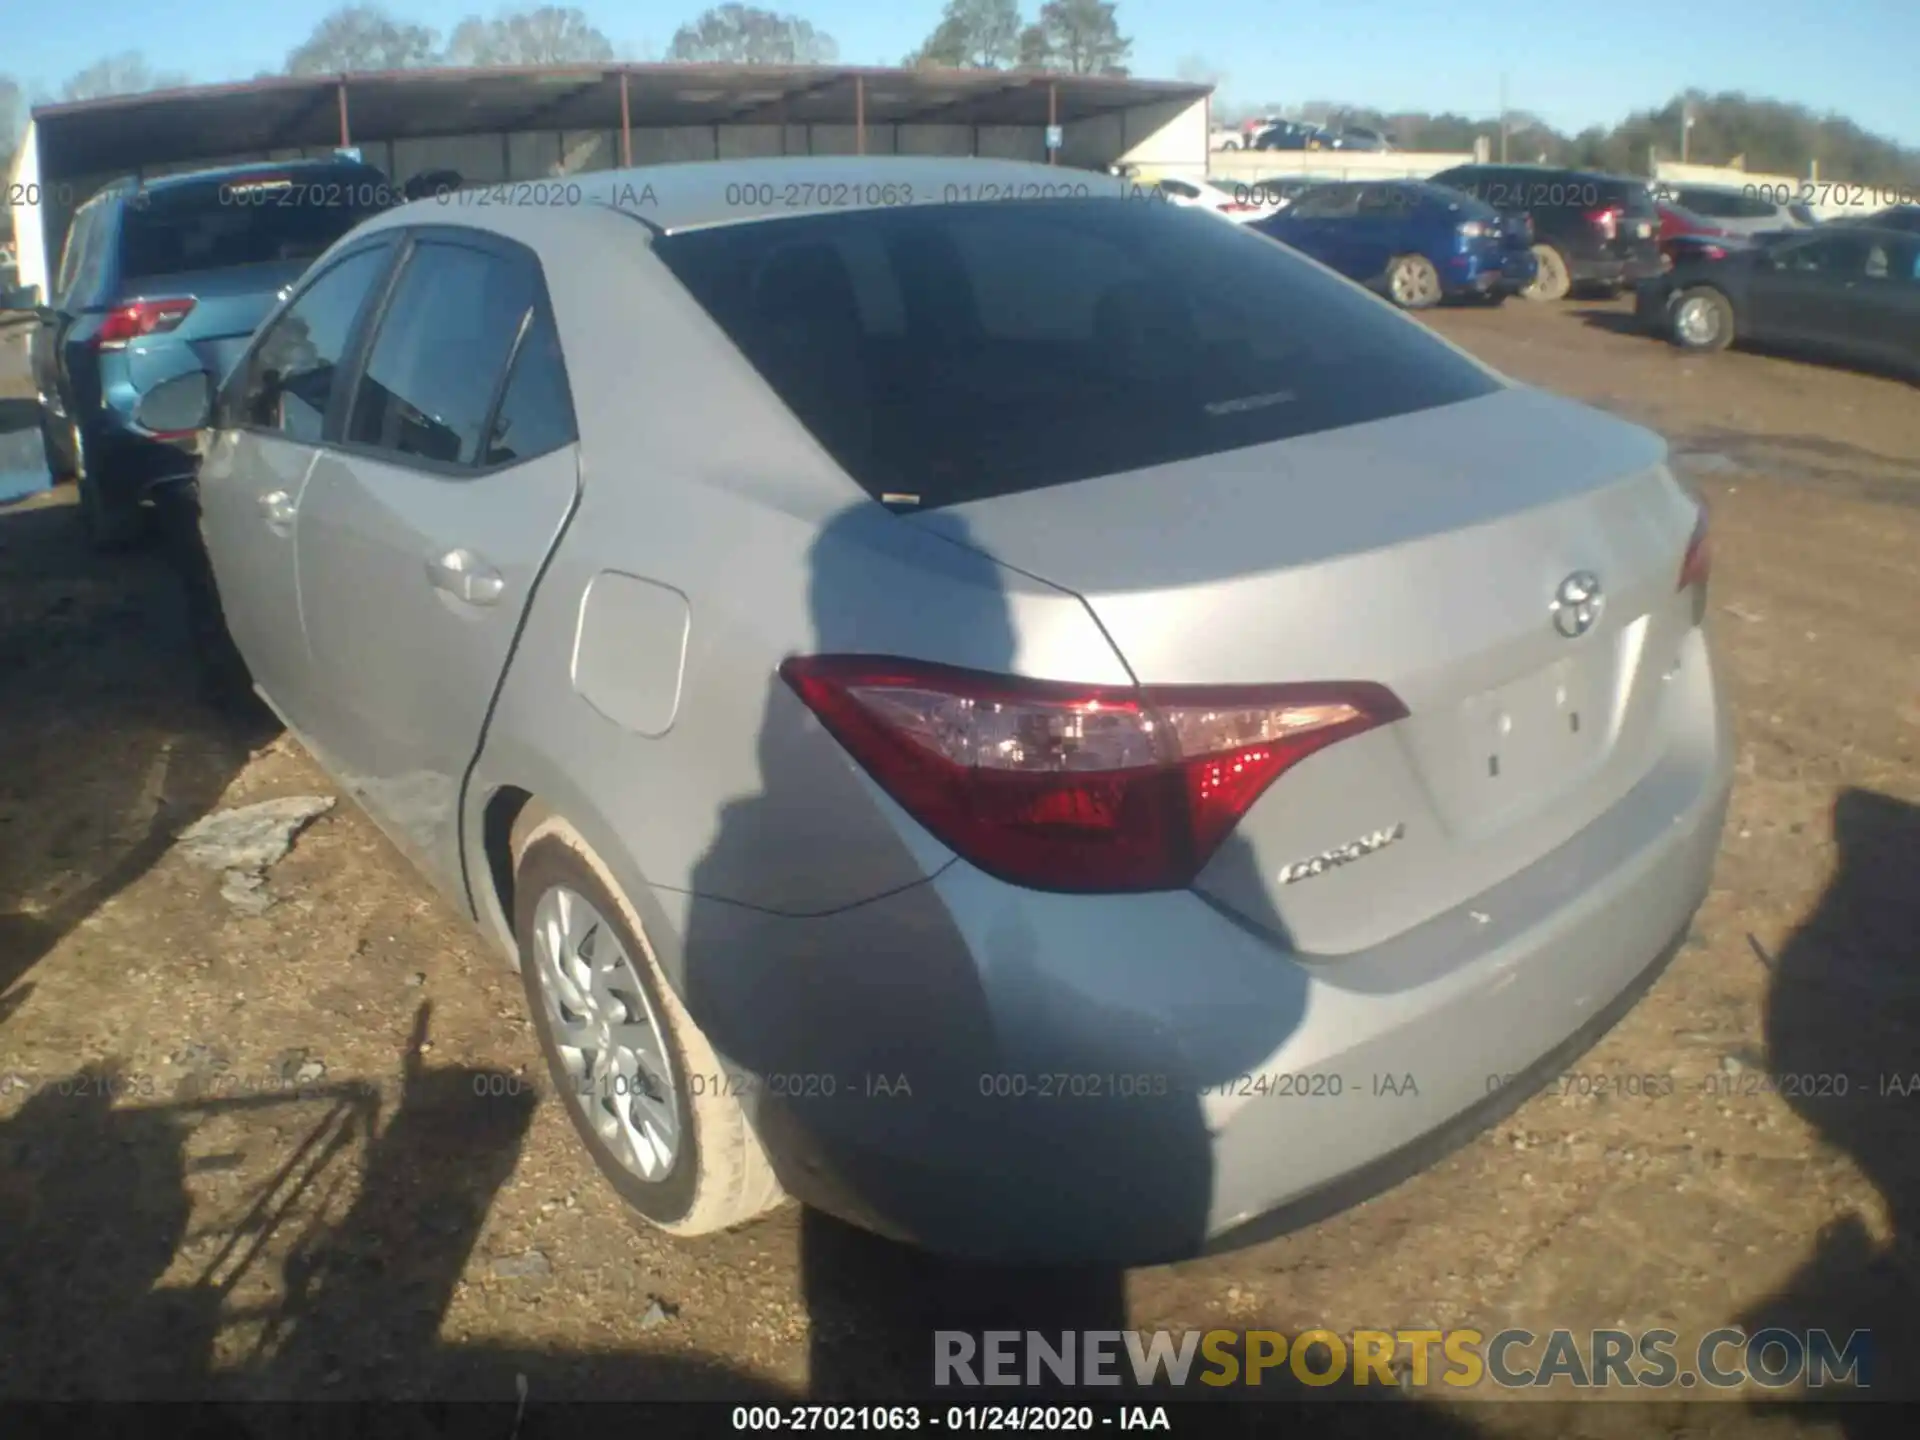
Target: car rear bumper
1054 1079
1501 272
1613 270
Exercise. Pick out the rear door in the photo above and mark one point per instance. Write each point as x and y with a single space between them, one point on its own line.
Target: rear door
423 533
1316 224
1378 231
1809 291
274 412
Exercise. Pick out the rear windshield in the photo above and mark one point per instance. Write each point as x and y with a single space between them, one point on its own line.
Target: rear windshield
956 352
239 220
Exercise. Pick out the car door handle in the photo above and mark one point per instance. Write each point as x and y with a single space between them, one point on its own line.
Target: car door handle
279 509
466 577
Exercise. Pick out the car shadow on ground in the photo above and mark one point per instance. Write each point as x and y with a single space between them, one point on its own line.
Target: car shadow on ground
1843 1048
1615 321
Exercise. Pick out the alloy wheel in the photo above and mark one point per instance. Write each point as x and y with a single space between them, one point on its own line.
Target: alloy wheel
610 1041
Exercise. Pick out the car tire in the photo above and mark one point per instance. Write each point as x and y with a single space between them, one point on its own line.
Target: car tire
58 445
110 524
717 1175
1553 282
1413 283
1701 319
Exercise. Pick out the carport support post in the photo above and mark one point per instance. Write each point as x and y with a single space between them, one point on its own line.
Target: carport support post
1053 116
626 125
859 114
340 92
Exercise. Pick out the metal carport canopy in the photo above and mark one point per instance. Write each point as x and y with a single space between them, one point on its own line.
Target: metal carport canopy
126 132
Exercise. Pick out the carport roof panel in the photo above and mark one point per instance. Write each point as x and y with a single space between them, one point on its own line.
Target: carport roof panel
123 132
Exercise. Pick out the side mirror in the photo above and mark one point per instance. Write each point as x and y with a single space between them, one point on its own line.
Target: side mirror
178 406
21 298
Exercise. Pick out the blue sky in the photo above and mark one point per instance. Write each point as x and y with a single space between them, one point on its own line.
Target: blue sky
1574 65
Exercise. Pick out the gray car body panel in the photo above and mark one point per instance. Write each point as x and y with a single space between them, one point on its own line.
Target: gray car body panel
814 928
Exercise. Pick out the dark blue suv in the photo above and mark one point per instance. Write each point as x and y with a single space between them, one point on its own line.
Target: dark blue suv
165 276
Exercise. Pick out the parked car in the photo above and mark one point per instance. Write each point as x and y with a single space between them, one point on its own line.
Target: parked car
1358 137
1905 218
1222 138
1846 291
963 724
1744 211
1292 135
1279 191
1680 229
165 276
1240 203
1417 243
1591 230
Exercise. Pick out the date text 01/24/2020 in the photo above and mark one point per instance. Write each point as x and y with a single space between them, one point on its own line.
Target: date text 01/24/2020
1040 1419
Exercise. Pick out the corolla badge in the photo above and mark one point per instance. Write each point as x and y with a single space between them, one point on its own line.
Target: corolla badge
1341 855
1577 604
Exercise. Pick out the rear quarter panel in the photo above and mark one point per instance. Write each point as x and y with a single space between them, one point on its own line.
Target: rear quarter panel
697 485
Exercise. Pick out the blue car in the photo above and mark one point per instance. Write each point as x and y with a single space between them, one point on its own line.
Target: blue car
161 277
1418 243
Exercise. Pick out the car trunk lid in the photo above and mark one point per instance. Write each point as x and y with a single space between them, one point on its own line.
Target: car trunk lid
1424 552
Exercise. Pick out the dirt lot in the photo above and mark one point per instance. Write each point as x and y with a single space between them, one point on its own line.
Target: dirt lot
177 1218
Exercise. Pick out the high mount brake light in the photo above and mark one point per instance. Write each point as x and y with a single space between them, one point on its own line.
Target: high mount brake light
1073 787
1697 566
141 317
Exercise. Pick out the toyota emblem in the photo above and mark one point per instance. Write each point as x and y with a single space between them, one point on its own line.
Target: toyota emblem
1577 604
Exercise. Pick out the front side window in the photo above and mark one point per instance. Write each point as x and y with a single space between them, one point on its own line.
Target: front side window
442 348
287 383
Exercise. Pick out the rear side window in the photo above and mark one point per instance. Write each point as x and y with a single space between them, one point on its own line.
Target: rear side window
536 409
442 349
1052 341
287 382
218 224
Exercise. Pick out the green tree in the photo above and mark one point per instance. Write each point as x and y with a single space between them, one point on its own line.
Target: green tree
973 34
1076 37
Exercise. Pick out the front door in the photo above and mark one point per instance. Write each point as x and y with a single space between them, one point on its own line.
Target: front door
422 535
271 421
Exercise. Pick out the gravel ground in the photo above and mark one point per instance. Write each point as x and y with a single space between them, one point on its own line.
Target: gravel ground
300 1149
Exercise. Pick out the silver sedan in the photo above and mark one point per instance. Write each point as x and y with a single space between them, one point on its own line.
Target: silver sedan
1048 726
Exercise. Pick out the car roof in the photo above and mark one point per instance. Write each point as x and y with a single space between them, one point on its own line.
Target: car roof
160 184
704 194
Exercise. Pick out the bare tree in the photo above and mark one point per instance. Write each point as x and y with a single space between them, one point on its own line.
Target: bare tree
13 121
746 35
124 74
363 37
550 35
1079 37
976 34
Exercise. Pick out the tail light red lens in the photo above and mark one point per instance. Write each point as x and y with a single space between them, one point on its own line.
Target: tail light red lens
142 317
1606 221
1698 564
1069 787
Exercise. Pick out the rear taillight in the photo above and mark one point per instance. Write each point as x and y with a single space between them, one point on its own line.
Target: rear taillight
141 317
1606 221
1072 787
1698 563
1237 207
1474 229
1714 252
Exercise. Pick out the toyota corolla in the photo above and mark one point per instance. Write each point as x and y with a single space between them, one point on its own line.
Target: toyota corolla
1054 729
